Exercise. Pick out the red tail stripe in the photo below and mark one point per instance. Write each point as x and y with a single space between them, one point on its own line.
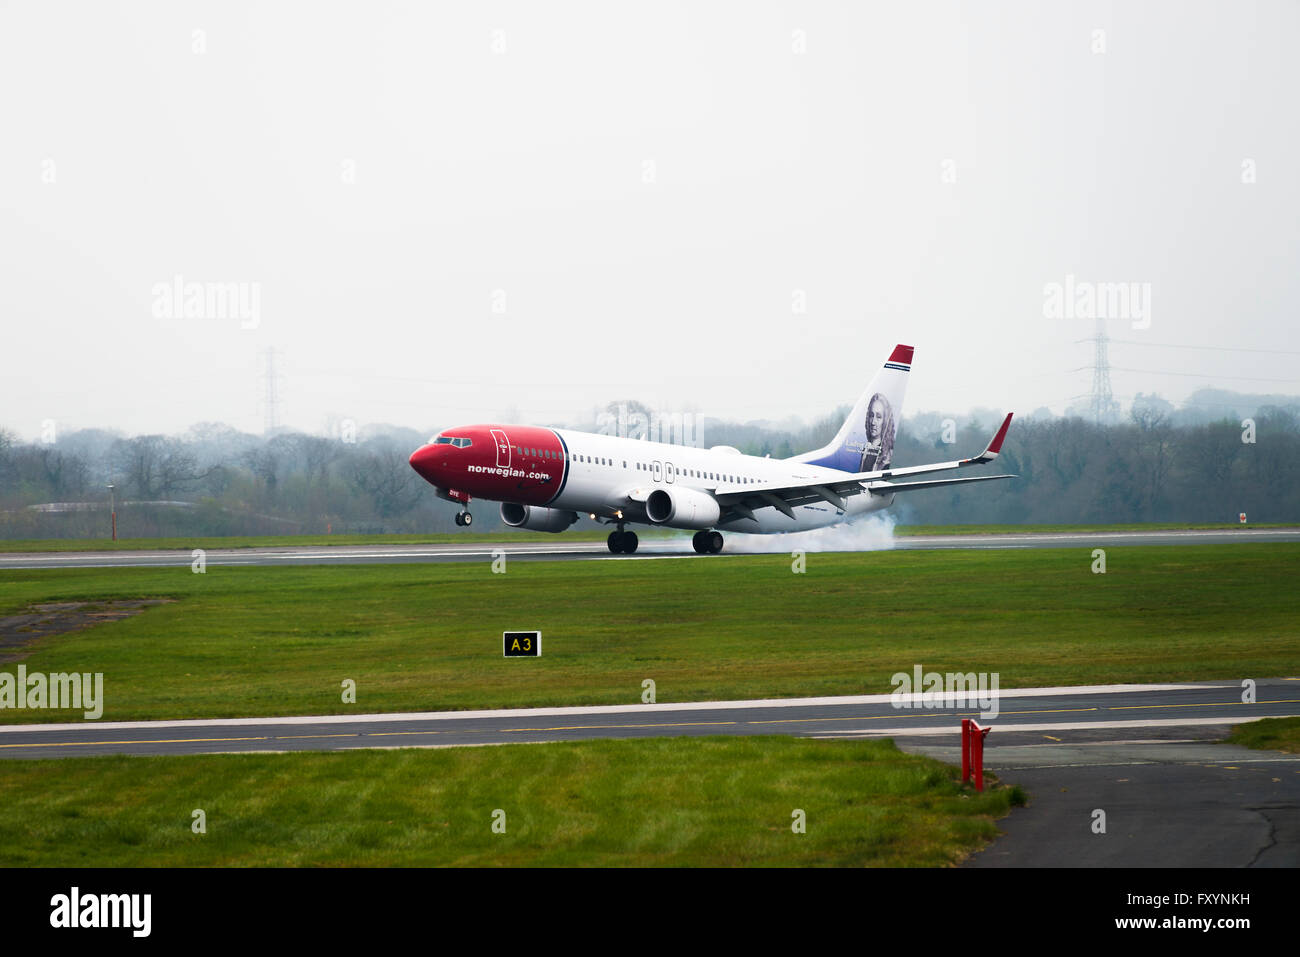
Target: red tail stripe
902 353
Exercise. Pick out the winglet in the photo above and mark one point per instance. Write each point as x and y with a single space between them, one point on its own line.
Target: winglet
996 445
990 453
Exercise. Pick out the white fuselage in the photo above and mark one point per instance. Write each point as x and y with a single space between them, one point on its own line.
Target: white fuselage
604 468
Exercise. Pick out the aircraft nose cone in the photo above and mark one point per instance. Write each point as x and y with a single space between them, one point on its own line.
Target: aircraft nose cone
422 462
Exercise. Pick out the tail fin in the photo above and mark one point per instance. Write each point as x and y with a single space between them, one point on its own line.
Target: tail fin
865 441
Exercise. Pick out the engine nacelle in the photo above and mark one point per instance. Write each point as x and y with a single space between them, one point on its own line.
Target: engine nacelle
537 519
682 507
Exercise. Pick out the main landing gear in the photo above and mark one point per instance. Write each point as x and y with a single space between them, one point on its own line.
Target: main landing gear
707 543
464 518
621 542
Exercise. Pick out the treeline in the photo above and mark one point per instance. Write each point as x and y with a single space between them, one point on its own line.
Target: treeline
1146 470
214 480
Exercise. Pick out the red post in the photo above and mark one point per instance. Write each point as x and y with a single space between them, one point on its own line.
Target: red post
972 751
965 750
114 524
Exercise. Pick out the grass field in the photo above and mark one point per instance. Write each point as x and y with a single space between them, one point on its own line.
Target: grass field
689 801
583 534
1270 734
280 640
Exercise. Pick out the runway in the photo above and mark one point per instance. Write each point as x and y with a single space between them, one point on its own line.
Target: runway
1023 715
651 549
1147 757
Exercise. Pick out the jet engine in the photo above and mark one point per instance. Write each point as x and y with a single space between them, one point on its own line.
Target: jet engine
537 519
682 507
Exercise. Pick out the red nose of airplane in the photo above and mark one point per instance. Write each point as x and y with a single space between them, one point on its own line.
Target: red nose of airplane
423 463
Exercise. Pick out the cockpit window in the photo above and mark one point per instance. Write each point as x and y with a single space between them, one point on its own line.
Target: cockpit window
459 443
442 440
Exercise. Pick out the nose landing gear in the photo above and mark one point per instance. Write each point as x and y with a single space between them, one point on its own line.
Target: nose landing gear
464 518
707 543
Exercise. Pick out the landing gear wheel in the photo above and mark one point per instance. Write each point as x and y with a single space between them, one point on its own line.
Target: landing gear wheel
615 542
464 518
707 543
629 542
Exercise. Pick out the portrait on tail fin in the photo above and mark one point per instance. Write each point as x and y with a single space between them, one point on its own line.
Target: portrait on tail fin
879 450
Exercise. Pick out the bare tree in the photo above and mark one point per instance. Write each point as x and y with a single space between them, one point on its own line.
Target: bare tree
386 477
155 466
1154 442
317 455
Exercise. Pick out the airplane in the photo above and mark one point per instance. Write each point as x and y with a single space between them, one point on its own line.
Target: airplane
546 478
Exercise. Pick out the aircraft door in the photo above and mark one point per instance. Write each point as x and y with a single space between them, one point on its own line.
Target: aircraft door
657 470
670 473
503 448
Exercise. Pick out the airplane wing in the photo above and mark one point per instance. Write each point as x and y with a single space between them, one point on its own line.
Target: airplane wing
740 501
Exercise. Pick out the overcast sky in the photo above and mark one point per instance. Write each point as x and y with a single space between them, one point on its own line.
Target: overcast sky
451 213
